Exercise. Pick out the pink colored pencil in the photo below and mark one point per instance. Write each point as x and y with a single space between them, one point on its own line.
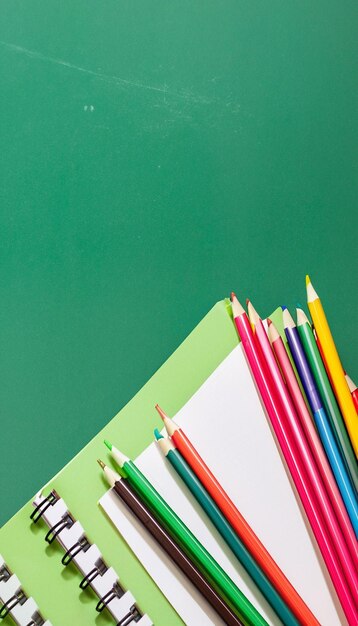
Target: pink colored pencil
305 455
313 441
297 469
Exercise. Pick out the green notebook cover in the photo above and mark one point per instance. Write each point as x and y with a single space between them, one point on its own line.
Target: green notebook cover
81 484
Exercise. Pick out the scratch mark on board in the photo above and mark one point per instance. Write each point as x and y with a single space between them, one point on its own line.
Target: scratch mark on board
116 80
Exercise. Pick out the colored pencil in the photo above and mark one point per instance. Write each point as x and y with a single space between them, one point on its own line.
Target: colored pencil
322 422
313 373
313 438
276 415
323 384
304 456
353 389
237 521
124 491
178 462
190 544
333 363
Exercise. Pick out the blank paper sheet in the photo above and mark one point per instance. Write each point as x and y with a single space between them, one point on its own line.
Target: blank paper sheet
229 428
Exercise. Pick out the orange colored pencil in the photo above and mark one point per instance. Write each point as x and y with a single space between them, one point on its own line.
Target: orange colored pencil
238 522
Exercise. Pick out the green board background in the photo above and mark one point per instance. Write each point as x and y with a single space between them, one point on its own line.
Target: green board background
155 155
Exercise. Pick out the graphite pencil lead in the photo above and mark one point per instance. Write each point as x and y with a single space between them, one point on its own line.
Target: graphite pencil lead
108 444
101 464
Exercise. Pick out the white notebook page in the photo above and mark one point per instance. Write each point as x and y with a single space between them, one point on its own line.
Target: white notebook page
226 423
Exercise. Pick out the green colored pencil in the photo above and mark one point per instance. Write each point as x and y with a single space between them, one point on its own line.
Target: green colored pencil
189 543
226 531
324 387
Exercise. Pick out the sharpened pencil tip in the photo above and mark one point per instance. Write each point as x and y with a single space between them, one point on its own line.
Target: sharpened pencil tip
301 317
108 444
311 292
287 319
157 434
269 322
232 296
272 332
247 301
283 307
101 464
161 412
237 308
252 313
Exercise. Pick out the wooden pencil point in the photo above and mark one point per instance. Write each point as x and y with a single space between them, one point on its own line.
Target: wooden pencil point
288 321
237 308
272 332
252 313
161 412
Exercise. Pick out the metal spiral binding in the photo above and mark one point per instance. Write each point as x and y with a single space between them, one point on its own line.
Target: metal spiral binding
15 602
69 533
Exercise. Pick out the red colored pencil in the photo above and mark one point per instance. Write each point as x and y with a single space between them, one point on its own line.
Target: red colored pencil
277 418
303 454
312 437
238 522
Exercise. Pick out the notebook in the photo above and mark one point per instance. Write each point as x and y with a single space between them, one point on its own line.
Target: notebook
38 566
80 483
228 426
14 602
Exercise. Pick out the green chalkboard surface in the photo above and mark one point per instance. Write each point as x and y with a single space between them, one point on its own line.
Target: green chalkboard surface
154 156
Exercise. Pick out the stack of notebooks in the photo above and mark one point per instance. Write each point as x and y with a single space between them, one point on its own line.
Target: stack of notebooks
80 553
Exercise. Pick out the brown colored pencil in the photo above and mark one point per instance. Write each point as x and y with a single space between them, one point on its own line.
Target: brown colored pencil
124 491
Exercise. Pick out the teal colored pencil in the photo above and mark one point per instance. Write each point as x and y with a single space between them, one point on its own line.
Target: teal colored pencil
226 531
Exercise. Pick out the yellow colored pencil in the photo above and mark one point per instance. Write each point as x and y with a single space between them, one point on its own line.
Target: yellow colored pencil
333 364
